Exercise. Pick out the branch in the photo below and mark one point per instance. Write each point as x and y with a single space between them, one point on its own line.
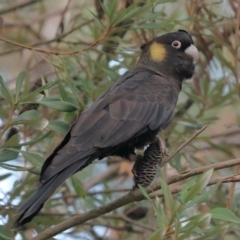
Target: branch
132 196
18 6
55 52
175 189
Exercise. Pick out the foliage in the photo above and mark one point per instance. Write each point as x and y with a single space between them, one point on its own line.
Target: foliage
89 45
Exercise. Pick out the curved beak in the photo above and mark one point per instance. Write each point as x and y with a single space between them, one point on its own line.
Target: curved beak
193 52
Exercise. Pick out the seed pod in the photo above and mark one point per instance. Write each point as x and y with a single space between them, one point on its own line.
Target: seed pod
145 167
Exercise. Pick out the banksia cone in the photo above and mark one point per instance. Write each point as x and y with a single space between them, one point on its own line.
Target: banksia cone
145 167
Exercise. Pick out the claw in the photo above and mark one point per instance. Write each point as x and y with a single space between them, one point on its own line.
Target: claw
163 147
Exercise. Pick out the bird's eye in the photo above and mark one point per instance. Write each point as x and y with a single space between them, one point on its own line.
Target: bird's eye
176 44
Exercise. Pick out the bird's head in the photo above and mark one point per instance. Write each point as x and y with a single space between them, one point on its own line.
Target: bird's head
172 54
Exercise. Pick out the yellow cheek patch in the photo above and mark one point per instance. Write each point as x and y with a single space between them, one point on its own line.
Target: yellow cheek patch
157 52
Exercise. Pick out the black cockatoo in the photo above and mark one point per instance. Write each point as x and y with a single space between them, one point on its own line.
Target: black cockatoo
127 116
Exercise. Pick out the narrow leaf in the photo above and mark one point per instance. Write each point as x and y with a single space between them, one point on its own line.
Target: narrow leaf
38 124
33 158
2 177
167 195
5 234
31 98
200 183
59 105
7 155
6 92
13 141
19 83
59 127
45 87
78 187
28 115
224 214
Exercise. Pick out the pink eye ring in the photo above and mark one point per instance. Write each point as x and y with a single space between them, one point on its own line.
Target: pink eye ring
176 44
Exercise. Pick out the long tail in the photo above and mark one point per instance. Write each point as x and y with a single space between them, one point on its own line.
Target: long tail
34 204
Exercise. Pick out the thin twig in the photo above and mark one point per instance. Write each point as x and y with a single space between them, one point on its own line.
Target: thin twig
182 146
56 39
18 6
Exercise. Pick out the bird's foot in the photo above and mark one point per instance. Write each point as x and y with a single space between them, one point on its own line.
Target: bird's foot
162 146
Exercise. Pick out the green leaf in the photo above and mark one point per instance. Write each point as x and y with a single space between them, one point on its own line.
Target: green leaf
177 227
31 119
33 158
189 124
6 92
35 170
36 140
148 26
78 186
13 141
224 214
222 59
2 177
5 234
167 195
7 155
19 83
45 87
31 98
12 167
213 232
59 127
200 183
36 95
200 220
162 218
155 235
193 225
124 15
112 10
148 17
143 191
58 105
28 115
62 91
184 191
38 124
202 197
